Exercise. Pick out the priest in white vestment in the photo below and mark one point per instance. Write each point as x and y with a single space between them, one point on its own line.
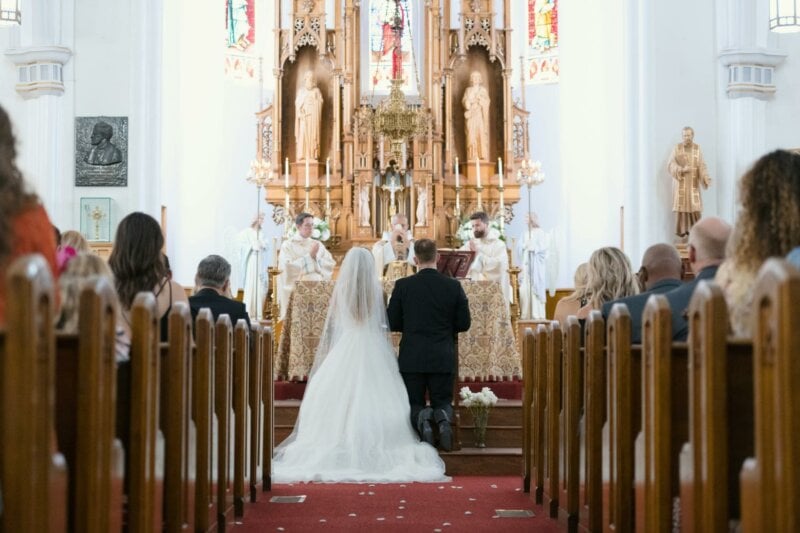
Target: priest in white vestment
395 245
302 259
539 262
491 257
254 264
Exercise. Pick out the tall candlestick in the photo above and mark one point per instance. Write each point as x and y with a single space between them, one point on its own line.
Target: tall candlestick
500 164
478 164
328 173
306 173
286 172
456 172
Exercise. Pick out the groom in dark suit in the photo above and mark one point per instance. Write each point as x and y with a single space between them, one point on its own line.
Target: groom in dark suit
429 309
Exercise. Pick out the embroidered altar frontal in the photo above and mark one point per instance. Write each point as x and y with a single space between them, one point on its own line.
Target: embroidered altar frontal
486 352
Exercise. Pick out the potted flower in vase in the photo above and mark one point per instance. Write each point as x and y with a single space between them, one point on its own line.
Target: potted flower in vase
479 404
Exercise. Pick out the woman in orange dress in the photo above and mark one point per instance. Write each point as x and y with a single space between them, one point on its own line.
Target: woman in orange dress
24 225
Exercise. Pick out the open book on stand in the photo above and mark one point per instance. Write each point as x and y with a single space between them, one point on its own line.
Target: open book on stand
454 263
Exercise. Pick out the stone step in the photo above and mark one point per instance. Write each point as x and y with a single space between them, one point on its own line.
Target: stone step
484 462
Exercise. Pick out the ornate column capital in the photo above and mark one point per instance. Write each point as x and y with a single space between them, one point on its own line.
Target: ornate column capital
39 69
751 71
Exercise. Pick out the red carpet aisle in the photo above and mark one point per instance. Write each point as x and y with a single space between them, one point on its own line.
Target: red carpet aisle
465 504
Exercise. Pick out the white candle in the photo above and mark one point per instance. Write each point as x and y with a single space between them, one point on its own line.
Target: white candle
456 172
306 173
328 173
478 164
500 164
274 251
286 172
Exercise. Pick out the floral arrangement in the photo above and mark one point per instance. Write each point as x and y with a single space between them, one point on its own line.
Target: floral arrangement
321 231
483 399
465 233
479 404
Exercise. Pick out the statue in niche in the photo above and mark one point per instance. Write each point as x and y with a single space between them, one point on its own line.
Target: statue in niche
363 207
308 111
689 172
422 206
476 112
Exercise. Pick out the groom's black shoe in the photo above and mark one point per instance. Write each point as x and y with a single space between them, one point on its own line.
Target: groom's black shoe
424 425
445 431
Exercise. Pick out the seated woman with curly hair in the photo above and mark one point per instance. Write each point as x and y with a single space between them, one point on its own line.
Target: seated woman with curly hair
610 277
24 226
768 225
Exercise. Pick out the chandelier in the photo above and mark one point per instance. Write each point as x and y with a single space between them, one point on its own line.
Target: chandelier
783 16
398 120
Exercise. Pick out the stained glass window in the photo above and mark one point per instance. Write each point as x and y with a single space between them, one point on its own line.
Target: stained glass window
385 17
543 62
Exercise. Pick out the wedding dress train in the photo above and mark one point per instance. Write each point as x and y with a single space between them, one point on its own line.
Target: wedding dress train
353 424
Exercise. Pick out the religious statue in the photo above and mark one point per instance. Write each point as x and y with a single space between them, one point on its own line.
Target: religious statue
254 278
308 111
476 112
422 206
688 169
363 206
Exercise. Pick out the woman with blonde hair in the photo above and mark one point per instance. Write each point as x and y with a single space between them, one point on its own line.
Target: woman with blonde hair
569 305
611 277
74 240
82 269
768 225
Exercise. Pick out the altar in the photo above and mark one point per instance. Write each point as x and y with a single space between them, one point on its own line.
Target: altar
486 352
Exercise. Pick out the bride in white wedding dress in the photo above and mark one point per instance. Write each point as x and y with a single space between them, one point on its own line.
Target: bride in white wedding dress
354 424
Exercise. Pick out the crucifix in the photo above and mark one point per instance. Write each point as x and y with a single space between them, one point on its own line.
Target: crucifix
393 187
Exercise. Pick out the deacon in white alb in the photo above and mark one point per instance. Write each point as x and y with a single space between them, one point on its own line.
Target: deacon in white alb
302 259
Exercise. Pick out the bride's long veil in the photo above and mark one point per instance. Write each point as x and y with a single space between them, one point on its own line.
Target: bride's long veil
357 302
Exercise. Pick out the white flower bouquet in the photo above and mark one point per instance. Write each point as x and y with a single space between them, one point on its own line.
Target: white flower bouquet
321 231
465 233
478 404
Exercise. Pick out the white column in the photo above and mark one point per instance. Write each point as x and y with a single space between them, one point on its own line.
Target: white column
40 63
742 44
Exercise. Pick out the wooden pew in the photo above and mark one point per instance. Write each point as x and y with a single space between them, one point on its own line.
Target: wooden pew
591 494
145 452
528 351
176 422
205 518
538 412
664 418
572 402
554 413
255 405
770 481
623 414
32 473
268 398
720 415
223 407
85 389
241 356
